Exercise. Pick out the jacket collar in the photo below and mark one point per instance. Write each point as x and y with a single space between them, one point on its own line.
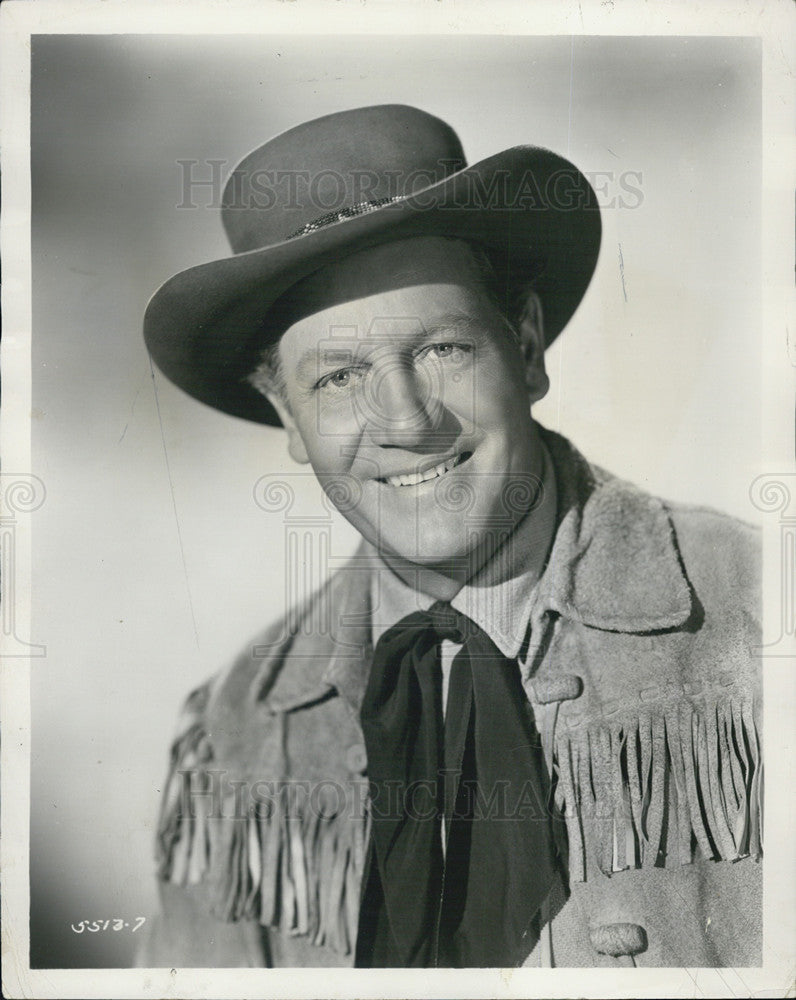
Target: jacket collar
613 565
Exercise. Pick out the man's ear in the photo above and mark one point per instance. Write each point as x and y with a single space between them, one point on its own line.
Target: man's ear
295 442
530 330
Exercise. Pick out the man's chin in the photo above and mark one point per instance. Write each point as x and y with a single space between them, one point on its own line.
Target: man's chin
451 559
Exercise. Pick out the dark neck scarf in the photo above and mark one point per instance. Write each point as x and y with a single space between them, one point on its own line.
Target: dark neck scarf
481 775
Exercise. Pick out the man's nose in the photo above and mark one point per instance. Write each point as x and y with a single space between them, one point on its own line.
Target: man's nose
401 407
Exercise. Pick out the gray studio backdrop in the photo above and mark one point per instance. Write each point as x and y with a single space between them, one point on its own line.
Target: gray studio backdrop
153 562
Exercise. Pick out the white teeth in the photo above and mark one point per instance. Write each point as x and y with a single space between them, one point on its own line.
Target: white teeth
414 479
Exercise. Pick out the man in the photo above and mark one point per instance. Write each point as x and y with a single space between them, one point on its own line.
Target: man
521 726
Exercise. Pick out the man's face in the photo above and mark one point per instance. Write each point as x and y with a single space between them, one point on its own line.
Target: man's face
405 389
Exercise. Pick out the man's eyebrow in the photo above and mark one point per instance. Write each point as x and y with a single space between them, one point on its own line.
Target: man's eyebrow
313 358
448 321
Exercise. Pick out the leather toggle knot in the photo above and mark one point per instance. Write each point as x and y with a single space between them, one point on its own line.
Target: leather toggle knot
565 687
618 939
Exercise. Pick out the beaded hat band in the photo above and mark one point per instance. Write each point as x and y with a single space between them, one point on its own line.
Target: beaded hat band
344 213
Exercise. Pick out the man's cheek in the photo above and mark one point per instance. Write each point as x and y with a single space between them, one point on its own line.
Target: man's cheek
460 395
349 494
334 419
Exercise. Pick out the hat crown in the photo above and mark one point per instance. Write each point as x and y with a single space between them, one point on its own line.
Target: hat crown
337 162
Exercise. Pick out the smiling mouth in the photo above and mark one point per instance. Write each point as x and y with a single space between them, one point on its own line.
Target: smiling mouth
416 478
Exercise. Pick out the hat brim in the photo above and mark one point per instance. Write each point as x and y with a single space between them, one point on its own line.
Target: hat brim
206 327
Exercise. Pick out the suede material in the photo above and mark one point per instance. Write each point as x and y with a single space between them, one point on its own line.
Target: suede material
647 613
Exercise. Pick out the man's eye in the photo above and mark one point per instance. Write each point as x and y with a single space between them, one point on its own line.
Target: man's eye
342 379
447 351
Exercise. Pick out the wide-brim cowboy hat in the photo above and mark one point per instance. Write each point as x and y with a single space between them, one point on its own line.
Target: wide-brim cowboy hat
339 184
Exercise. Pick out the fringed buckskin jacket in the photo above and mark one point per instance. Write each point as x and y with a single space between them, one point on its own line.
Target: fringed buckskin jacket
645 685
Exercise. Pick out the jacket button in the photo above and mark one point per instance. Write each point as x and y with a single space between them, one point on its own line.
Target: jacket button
563 687
356 759
618 939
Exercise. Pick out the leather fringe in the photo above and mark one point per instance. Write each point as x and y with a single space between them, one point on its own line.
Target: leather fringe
661 789
692 769
293 862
